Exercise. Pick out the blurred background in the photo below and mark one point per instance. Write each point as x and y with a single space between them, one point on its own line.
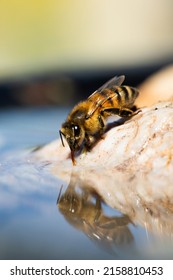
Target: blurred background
58 52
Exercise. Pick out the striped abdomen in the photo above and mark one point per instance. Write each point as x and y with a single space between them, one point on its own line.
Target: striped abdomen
114 97
123 96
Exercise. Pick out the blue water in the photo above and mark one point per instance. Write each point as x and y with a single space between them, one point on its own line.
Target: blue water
31 224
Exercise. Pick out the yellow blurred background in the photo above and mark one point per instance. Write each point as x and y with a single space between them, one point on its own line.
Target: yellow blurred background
45 35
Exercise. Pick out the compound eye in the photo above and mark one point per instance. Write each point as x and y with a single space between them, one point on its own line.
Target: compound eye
76 130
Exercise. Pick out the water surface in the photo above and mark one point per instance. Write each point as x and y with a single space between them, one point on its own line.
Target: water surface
81 226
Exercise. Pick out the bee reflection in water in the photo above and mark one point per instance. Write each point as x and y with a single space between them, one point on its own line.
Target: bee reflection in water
84 209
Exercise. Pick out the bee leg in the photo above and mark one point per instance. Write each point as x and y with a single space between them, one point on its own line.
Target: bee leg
126 112
84 150
90 141
102 126
106 112
122 112
137 112
101 121
99 210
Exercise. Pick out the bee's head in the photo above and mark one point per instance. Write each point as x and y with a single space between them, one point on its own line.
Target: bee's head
74 134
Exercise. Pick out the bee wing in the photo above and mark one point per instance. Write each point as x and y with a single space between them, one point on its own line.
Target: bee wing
115 81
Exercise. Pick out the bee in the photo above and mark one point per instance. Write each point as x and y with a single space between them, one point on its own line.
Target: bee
83 209
86 123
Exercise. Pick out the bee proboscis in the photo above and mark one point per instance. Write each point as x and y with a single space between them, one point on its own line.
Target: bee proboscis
86 123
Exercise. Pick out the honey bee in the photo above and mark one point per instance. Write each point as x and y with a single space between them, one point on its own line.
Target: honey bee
83 209
86 123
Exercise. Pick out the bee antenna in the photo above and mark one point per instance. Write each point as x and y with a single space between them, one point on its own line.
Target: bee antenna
60 134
